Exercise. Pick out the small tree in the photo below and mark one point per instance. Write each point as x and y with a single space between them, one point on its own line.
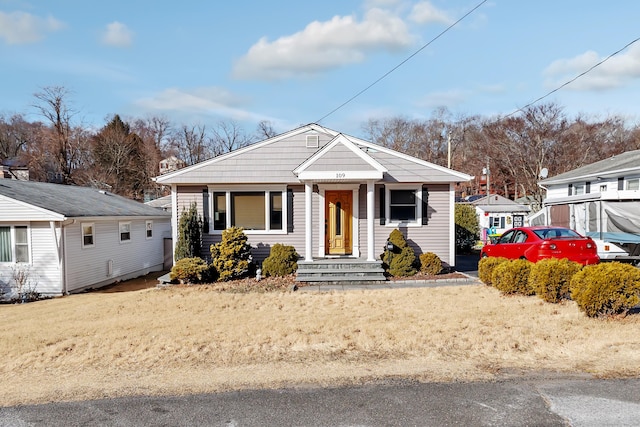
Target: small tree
401 261
189 244
231 258
467 226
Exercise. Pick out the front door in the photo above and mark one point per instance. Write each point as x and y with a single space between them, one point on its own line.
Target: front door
338 217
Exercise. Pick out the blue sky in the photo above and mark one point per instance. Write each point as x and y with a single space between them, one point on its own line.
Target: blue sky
293 62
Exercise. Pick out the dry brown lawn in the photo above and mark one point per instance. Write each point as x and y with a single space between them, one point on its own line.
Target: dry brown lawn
184 340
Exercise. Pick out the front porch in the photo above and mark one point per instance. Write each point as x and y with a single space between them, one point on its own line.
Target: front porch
341 270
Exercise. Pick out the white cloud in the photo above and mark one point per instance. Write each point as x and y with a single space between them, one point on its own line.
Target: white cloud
118 35
200 102
449 99
426 13
324 45
23 28
615 72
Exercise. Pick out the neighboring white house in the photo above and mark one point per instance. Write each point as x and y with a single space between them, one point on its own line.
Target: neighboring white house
325 193
601 200
497 214
72 238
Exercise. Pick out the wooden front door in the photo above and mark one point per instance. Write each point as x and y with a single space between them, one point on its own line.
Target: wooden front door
338 220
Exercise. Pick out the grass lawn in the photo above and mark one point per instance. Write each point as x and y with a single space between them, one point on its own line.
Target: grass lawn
194 339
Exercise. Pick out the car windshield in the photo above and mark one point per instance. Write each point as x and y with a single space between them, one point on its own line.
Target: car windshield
553 233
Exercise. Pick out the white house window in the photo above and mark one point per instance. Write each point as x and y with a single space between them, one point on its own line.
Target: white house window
251 210
578 189
125 231
14 244
149 229
633 184
403 206
497 221
88 235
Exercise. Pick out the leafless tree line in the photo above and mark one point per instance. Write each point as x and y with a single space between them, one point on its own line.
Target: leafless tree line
124 155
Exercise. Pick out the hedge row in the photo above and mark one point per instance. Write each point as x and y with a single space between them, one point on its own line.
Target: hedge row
601 290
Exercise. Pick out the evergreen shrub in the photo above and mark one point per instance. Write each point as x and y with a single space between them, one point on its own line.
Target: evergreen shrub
401 261
189 270
282 261
189 244
430 263
512 277
606 289
486 266
550 278
231 258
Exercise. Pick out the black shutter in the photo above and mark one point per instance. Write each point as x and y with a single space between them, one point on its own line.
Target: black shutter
620 183
205 210
587 187
570 189
382 209
425 205
289 210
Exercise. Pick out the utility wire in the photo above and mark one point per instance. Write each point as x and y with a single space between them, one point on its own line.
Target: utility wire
573 79
402 63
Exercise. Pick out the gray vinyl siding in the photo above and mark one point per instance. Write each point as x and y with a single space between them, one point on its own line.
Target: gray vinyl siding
404 170
339 158
433 237
11 210
88 267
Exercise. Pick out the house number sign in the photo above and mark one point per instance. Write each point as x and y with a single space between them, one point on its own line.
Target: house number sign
341 175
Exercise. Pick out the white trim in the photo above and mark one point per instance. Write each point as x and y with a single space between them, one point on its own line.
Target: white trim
387 209
266 189
355 216
120 224
93 234
371 201
452 225
322 238
12 235
146 229
308 221
53 216
340 175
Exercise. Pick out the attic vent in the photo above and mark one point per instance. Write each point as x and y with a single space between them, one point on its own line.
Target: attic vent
313 141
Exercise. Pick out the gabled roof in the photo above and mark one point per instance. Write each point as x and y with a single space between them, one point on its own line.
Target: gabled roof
497 203
615 166
72 201
278 159
340 154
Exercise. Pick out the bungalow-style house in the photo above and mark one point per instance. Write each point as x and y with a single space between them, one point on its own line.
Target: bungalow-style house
497 214
327 194
72 238
600 200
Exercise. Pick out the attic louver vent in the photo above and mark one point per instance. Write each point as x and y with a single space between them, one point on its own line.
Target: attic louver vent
313 141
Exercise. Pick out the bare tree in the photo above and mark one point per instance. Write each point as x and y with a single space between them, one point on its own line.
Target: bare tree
265 130
51 103
229 136
192 144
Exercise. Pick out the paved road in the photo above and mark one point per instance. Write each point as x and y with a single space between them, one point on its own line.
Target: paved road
534 402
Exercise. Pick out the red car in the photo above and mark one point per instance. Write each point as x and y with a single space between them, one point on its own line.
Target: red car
541 242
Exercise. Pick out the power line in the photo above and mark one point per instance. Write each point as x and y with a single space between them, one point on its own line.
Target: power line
401 63
573 79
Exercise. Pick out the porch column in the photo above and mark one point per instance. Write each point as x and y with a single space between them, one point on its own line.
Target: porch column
371 241
308 226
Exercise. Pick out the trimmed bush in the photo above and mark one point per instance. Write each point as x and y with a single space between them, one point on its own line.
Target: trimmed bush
430 263
189 270
512 277
189 243
486 266
282 261
550 278
401 261
606 289
231 258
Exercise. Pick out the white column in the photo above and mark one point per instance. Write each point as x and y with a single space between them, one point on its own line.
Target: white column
371 241
308 226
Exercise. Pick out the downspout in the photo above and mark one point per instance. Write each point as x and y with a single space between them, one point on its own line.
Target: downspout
62 254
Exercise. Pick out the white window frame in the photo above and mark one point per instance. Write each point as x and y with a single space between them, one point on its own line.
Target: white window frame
417 188
578 189
12 233
124 223
267 206
635 182
148 227
83 235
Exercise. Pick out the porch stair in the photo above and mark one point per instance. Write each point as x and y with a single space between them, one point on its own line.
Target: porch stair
340 270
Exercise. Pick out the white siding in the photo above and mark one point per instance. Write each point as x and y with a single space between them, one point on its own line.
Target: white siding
43 270
13 210
88 267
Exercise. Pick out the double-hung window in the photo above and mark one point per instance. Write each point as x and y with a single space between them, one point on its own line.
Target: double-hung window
405 205
252 210
149 229
88 233
125 231
14 244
